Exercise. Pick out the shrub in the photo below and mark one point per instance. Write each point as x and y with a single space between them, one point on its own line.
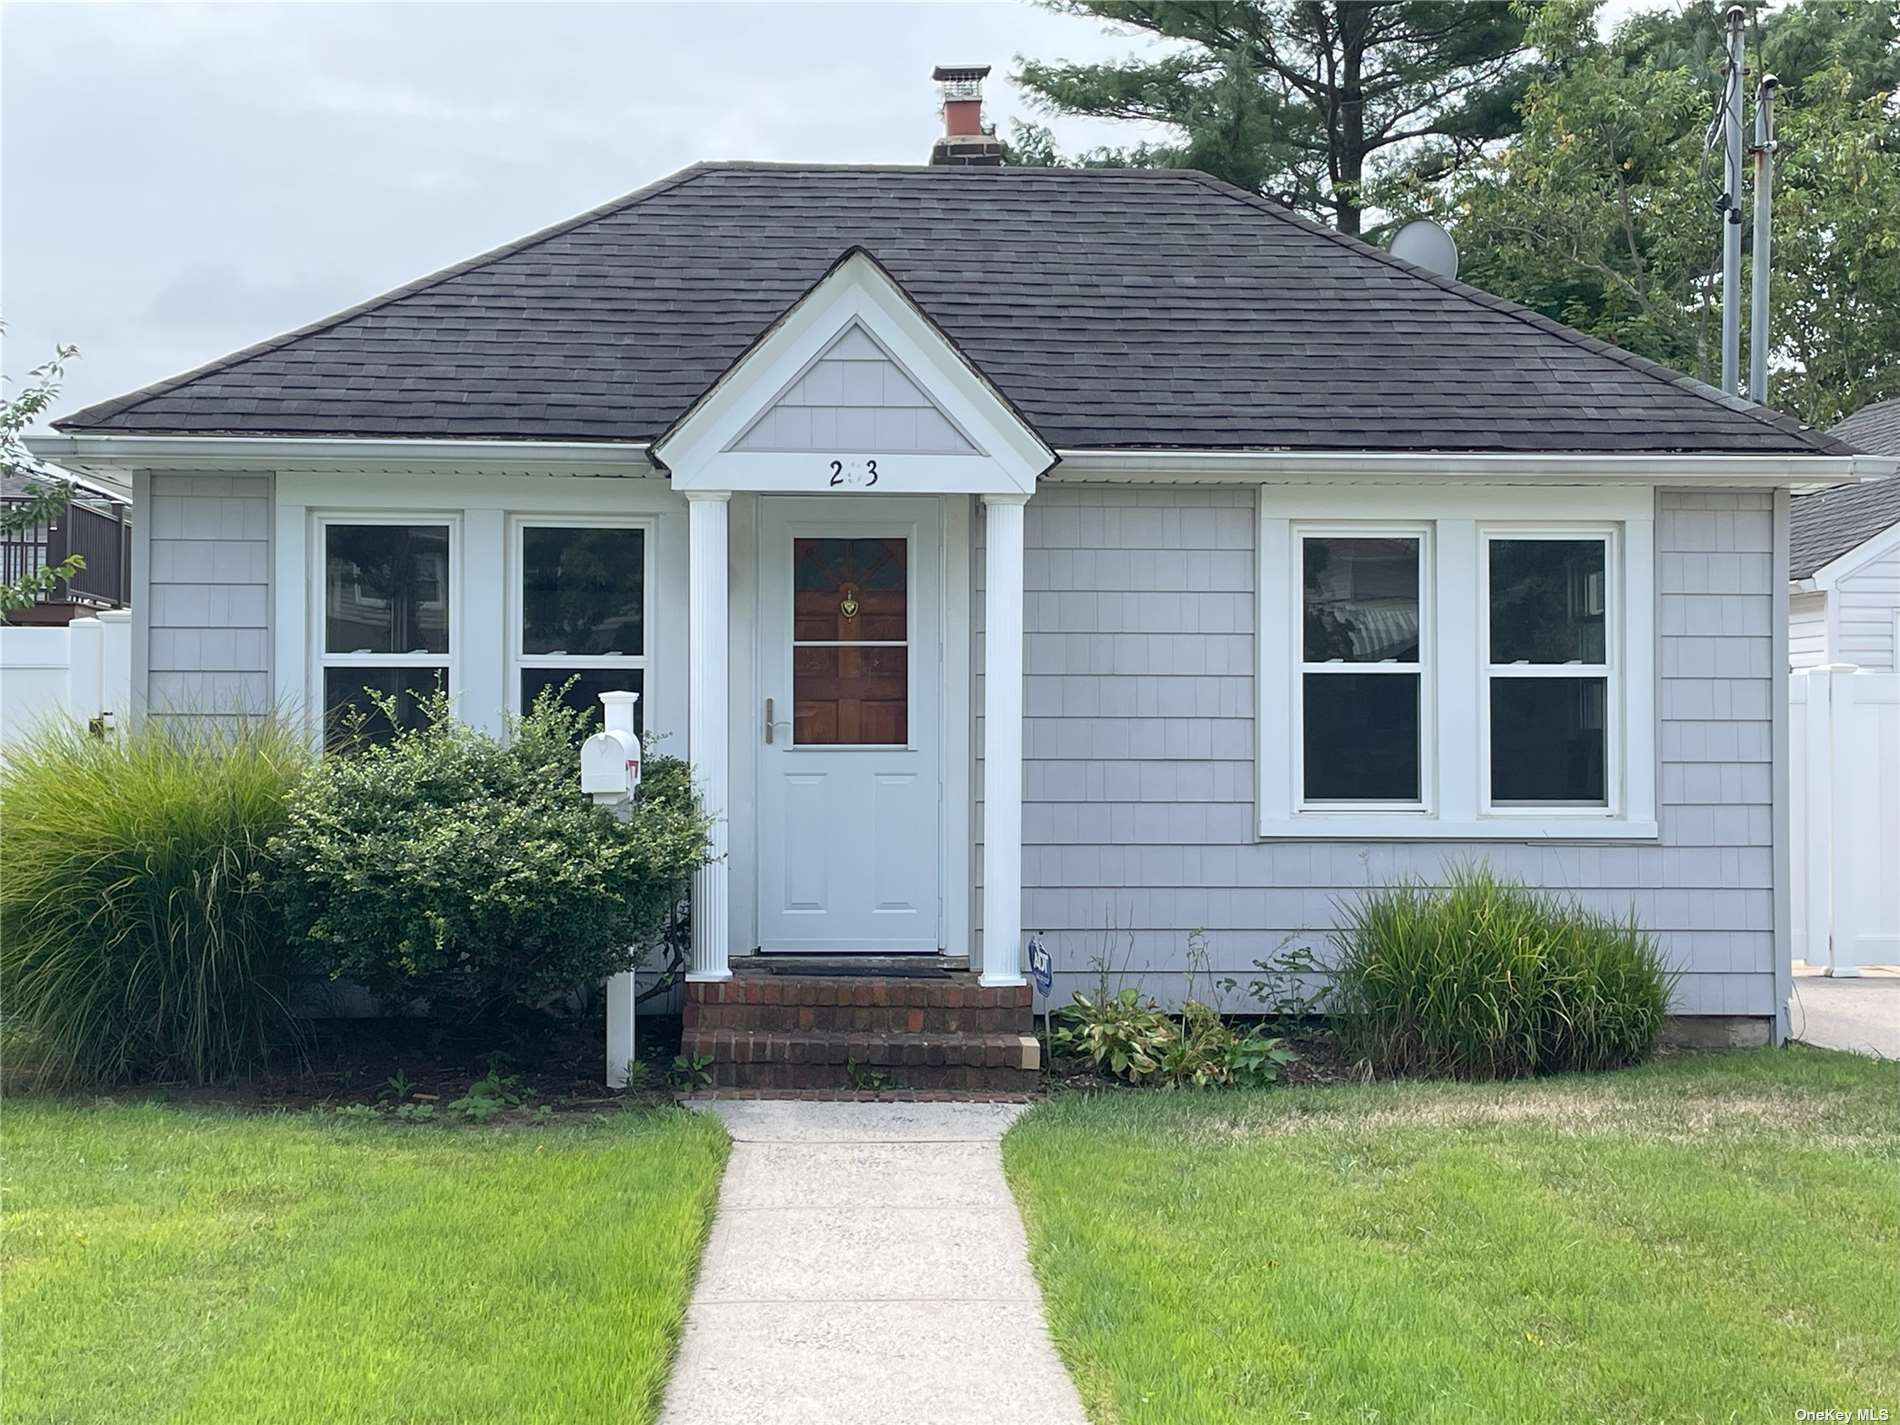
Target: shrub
138 937
1121 1034
1132 1038
466 872
1487 978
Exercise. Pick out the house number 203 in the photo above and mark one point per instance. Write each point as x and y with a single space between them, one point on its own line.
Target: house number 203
854 474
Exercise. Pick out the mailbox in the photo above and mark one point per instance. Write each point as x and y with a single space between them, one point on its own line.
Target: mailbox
610 759
610 763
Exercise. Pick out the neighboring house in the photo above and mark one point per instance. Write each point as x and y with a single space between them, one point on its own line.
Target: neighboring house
96 525
1105 554
1845 560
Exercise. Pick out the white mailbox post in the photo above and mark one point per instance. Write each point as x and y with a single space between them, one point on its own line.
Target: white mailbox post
610 774
610 759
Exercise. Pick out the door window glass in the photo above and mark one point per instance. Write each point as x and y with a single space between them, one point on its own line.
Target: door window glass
850 642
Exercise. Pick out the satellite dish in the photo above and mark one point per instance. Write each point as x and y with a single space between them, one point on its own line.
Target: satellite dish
1423 243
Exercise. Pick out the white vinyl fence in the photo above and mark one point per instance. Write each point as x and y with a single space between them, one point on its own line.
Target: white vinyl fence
1845 819
82 671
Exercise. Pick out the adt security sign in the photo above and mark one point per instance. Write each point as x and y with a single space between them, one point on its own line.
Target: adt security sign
1041 968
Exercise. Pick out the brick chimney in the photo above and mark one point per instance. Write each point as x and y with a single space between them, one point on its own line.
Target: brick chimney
966 142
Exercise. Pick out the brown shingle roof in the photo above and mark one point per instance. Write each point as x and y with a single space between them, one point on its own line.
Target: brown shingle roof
1114 308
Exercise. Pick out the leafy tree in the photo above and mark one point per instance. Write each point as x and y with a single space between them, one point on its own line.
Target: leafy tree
45 500
1834 290
1302 99
1600 212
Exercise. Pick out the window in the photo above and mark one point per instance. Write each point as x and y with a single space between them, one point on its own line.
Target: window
386 619
1361 668
1456 661
1548 670
850 642
580 611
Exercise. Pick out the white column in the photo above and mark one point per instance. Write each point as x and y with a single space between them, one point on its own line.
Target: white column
1003 740
706 719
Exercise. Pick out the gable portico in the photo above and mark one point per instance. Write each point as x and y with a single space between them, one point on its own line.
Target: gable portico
856 439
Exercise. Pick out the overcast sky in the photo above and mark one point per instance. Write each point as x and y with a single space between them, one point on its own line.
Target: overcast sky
177 182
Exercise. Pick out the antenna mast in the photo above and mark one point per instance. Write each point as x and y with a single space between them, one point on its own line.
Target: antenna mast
1758 309
1731 205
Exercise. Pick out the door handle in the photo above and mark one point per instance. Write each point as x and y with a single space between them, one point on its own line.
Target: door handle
770 723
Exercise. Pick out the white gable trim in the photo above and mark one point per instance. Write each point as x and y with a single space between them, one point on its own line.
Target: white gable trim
1842 565
857 291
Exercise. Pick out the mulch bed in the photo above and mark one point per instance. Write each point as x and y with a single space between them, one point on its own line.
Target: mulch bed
553 1062
555 1067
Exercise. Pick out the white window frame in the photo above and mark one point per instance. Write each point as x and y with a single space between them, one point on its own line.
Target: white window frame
1610 670
1454 649
322 660
1304 530
519 661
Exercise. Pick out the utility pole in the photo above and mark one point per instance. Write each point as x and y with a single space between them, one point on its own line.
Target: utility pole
1758 310
1731 120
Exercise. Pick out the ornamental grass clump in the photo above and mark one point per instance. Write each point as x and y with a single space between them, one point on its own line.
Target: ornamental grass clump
137 938
1487 978
464 875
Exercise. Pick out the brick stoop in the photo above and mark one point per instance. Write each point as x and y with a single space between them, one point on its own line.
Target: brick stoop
798 1031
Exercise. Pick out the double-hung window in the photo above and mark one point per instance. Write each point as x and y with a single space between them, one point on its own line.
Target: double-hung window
1362 665
1548 669
580 605
387 638
1461 662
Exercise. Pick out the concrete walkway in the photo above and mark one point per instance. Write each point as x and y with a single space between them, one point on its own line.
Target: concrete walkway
1861 1013
867 1267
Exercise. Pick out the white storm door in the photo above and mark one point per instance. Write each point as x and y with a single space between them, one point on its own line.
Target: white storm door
850 682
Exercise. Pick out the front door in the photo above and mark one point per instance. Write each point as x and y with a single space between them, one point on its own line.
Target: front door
850 672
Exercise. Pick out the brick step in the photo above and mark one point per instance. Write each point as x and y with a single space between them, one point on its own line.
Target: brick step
957 990
856 1004
993 1051
799 1080
819 1059
855 1019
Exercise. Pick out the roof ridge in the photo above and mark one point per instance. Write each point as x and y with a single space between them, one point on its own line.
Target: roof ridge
1785 424
730 165
103 410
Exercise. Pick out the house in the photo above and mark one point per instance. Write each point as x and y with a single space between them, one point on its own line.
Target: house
96 525
1101 554
1844 560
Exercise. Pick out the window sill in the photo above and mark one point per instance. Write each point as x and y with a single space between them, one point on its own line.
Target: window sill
1401 826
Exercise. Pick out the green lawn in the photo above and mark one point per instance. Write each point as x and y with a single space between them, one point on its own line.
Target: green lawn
1708 1239
165 1264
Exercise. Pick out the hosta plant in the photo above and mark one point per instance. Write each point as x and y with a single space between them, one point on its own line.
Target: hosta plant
1121 1034
1129 1037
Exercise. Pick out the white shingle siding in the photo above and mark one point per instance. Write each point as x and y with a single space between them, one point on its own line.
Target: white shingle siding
1866 604
1807 630
1138 752
206 620
854 396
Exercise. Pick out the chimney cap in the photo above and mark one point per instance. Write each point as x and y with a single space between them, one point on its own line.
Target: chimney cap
959 73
